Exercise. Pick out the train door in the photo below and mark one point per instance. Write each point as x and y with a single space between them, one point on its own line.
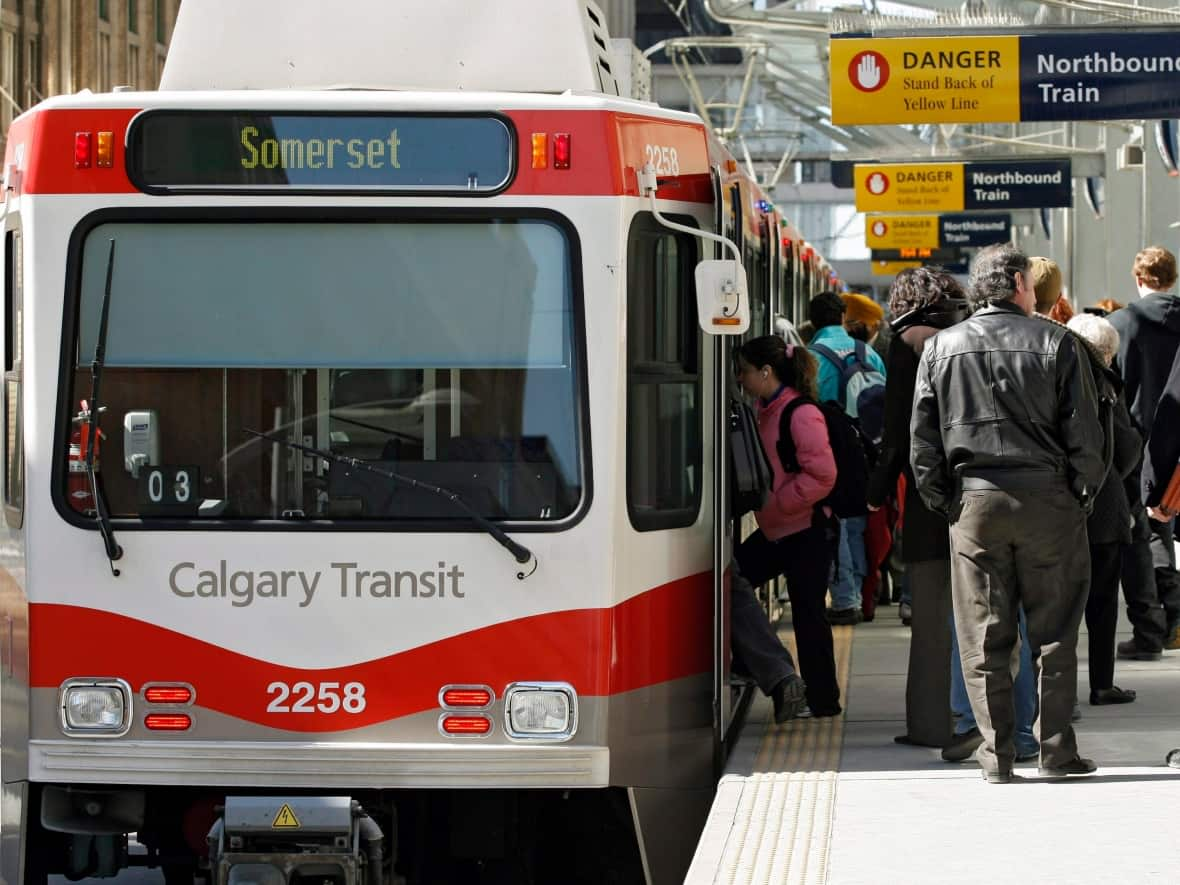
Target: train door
14 721
726 203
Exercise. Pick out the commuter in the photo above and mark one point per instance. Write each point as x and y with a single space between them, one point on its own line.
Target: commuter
1161 463
1109 305
863 317
1006 444
922 301
1108 527
863 320
1149 337
758 651
1163 448
1046 276
837 352
796 535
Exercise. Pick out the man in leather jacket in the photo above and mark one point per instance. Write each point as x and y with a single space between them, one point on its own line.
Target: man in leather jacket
1007 443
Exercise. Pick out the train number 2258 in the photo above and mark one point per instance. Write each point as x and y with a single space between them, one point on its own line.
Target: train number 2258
662 158
327 697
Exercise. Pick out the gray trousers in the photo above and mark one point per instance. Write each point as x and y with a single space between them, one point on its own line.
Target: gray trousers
928 678
1021 547
754 642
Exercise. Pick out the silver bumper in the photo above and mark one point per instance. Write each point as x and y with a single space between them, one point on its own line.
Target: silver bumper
295 764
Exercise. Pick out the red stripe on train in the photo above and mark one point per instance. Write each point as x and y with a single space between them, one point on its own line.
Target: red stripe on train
607 149
660 635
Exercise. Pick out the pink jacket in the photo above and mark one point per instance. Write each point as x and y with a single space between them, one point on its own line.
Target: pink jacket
789 508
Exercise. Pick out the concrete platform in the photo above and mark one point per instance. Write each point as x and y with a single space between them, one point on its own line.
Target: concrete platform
859 809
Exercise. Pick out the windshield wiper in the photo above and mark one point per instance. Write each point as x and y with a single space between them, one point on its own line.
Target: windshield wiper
101 514
519 552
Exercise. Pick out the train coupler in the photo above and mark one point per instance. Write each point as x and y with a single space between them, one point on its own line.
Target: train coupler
295 840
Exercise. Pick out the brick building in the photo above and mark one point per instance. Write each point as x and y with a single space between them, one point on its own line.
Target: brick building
49 47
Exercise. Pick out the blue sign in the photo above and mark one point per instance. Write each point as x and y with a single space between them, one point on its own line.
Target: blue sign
973 230
1080 76
1026 184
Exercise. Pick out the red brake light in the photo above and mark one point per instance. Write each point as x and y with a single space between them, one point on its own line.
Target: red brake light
169 721
466 697
466 724
561 150
81 150
168 694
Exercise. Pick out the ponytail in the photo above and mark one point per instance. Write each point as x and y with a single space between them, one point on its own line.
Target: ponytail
792 364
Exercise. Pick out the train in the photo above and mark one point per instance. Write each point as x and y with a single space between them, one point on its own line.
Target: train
366 515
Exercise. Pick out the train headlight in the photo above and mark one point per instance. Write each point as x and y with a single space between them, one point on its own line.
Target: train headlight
95 707
545 711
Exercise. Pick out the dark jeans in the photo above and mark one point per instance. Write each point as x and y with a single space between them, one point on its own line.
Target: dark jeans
756 647
804 559
1025 547
1102 611
928 676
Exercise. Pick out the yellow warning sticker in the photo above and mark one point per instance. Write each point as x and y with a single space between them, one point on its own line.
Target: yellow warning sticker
285 819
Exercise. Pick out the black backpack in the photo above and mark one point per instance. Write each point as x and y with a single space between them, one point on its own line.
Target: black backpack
750 476
849 496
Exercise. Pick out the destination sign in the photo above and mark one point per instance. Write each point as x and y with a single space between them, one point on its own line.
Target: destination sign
926 256
206 151
1005 79
953 187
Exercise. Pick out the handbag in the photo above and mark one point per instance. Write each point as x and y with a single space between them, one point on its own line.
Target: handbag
751 477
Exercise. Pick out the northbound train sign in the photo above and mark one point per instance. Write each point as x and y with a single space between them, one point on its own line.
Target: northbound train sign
1005 79
953 187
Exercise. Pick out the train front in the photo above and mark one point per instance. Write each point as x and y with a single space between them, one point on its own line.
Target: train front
321 573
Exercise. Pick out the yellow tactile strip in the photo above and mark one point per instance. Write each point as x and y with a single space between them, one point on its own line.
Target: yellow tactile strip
775 822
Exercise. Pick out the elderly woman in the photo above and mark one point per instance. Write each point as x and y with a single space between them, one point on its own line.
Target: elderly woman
1108 526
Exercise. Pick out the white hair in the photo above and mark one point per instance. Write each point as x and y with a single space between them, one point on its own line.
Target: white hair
1099 332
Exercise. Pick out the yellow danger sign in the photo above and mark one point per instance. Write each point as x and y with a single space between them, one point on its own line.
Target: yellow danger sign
908 187
925 79
285 819
901 231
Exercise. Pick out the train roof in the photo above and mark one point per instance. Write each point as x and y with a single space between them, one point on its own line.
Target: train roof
510 45
364 100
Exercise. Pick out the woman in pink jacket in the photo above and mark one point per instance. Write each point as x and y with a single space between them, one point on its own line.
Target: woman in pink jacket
796 532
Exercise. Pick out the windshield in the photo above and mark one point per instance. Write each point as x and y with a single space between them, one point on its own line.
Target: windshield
440 350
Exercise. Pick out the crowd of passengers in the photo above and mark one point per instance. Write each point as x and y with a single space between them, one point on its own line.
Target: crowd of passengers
1018 463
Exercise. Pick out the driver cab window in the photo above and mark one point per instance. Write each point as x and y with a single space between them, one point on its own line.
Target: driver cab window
250 364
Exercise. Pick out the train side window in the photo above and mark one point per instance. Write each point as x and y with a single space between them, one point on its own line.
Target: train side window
663 378
14 457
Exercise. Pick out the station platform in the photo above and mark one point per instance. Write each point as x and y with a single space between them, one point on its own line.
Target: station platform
836 802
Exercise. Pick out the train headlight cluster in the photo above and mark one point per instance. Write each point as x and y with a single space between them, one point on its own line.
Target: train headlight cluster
541 711
95 707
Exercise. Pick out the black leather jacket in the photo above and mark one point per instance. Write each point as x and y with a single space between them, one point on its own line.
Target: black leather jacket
1005 399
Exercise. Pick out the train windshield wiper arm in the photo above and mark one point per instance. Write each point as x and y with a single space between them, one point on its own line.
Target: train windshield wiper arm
519 552
101 515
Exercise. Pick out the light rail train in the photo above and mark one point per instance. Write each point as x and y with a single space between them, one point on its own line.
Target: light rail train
364 487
